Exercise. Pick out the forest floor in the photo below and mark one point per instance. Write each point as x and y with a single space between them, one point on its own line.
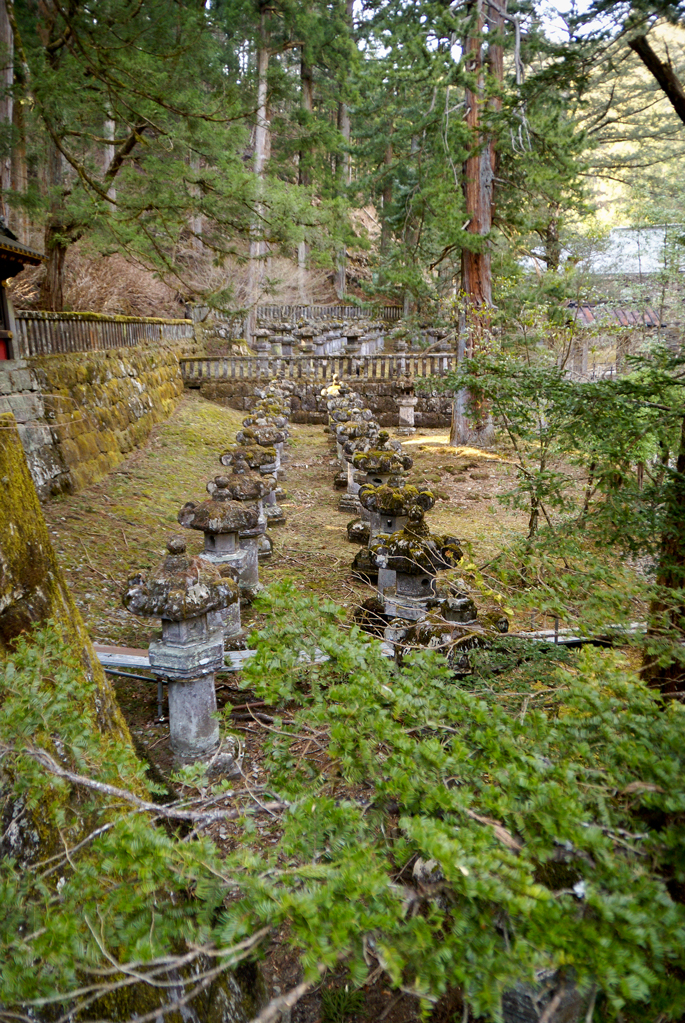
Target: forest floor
119 526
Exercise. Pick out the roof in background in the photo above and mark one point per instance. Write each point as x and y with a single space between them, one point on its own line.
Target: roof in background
10 244
591 315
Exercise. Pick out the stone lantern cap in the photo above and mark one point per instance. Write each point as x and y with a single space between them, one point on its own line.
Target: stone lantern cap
239 486
387 500
220 513
261 332
270 402
265 436
354 428
261 419
182 587
254 455
382 462
409 554
405 385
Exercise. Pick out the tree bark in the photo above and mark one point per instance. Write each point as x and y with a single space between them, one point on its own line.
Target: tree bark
261 155
667 612
471 423
669 83
6 102
52 287
386 230
476 273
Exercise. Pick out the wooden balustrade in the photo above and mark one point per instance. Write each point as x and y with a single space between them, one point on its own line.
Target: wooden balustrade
41 333
291 313
323 368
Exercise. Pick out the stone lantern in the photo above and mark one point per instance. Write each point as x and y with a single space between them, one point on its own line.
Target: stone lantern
353 341
305 336
222 519
385 465
407 566
266 437
260 459
276 342
382 466
406 403
262 348
392 508
389 509
357 433
185 592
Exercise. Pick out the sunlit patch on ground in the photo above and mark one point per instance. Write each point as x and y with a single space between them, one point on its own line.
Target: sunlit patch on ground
441 440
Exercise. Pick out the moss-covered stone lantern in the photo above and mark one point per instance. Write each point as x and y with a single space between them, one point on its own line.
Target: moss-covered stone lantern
185 592
407 566
222 519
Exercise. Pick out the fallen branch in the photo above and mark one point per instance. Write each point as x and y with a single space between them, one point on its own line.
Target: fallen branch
46 761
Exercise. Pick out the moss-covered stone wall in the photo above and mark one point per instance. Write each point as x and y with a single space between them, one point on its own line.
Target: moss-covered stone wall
33 590
99 406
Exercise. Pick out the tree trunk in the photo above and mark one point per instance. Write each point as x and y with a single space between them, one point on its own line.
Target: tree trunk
6 102
303 170
471 423
552 241
669 83
307 105
667 612
52 288
261 154
476 273
344 124
386 230
110 133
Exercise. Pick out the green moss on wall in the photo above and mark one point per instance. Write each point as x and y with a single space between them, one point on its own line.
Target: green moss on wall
103 405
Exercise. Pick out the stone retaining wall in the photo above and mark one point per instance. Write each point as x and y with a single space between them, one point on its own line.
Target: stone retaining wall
79 415
433 409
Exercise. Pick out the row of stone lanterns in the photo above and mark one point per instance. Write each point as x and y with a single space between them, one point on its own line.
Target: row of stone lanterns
414 604
318 338
198 597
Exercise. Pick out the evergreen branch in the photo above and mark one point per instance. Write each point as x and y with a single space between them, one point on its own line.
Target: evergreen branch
125 150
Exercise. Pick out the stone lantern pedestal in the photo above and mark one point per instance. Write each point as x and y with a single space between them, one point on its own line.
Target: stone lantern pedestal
406 404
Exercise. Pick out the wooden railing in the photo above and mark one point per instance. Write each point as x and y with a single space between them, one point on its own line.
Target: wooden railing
39 333
331 312
304 367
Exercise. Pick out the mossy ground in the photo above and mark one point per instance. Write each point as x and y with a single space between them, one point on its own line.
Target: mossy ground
119 526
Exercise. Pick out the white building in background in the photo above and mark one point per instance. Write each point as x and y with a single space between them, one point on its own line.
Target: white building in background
630 251
636 251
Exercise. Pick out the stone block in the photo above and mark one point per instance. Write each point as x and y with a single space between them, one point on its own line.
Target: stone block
22 380
25 407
